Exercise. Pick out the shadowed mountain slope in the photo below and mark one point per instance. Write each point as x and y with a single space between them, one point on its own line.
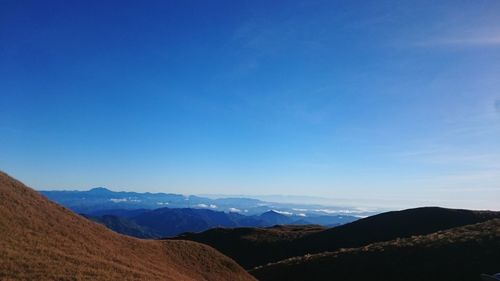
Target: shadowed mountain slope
458 254
124 226
40 240
252 248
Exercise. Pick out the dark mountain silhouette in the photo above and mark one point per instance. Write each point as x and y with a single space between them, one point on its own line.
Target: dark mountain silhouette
124 226
99 191
254 247
275 218
41 240
391 225
168 222
123 213
458 254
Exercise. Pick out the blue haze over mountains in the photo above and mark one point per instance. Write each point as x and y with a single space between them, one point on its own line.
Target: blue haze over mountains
153 215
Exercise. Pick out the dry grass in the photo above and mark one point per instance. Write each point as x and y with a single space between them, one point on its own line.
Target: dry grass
40 240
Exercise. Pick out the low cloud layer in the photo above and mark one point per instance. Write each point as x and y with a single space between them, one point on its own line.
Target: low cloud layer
283 212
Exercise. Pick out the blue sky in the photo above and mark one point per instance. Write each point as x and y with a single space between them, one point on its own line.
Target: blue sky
395 102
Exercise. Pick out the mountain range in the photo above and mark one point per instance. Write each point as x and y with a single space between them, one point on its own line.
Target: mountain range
102 198
144 215
165 222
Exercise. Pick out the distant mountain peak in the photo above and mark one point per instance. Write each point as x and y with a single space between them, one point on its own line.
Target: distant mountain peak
100 189
274 213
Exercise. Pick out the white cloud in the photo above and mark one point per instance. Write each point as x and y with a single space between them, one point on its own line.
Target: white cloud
331 211
283 212
234 210
328 211
211 206
118 200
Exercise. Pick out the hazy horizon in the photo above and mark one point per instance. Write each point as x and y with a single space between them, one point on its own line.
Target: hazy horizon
374 204
393 102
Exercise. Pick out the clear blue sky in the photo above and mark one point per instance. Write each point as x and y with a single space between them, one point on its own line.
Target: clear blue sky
396 100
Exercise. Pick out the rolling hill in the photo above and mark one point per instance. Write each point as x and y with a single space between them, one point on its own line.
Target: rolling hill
40 240
458 254
391 225
254 247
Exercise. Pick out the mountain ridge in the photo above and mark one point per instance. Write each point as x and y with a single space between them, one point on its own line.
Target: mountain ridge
456 254
249 249
102 199
167 222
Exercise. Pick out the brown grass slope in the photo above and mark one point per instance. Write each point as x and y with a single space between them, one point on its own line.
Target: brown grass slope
40 240
458 254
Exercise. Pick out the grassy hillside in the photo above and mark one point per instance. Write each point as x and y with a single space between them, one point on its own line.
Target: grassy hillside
458 254
40 240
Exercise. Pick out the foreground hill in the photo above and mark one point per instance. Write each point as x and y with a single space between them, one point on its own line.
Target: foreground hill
40 240
256 247
458 254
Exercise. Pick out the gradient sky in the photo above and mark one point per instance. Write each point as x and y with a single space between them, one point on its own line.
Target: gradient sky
389 101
